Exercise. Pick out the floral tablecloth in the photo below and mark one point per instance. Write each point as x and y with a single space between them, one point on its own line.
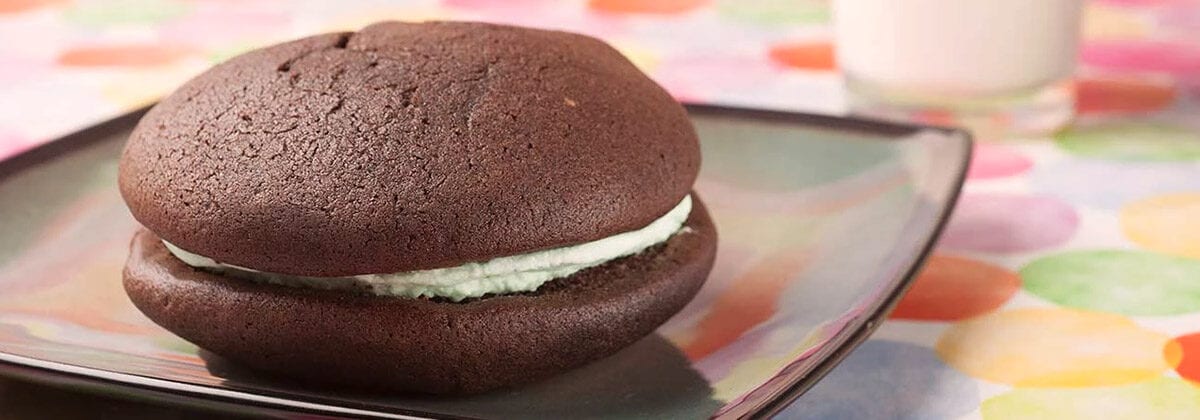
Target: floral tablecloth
1066 286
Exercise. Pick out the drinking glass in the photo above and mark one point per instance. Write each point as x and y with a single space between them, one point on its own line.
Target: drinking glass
986 64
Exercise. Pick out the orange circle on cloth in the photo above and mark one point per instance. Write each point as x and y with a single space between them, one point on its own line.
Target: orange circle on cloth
952 288
121 55
806 56
664 7
1118 95
1183 353
17 6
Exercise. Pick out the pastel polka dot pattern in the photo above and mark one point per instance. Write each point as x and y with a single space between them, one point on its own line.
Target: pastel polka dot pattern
878 380
1159 398
1166 223
1048 347
1054 293
1118 281
951 288
1133 141
985 222
997 161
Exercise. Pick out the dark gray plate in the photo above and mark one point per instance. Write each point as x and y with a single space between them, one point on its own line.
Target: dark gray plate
823 223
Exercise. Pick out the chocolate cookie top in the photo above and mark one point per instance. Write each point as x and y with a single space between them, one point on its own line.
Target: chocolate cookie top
408 146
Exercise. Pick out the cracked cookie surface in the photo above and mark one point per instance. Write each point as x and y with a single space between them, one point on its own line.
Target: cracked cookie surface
408 146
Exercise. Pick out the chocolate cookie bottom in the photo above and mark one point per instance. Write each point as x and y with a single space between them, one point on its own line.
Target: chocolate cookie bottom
420 345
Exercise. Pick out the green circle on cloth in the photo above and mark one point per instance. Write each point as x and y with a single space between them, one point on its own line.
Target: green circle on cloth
774 12
1120 281
124 12
1132 141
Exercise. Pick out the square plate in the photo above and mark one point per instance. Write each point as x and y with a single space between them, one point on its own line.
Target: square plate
823 223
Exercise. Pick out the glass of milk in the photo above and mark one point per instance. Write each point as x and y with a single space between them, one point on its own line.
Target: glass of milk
986 64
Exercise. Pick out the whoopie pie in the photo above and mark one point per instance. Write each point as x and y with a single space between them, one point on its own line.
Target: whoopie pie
439 207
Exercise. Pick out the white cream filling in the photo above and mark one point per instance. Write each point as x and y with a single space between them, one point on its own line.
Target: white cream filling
511 274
